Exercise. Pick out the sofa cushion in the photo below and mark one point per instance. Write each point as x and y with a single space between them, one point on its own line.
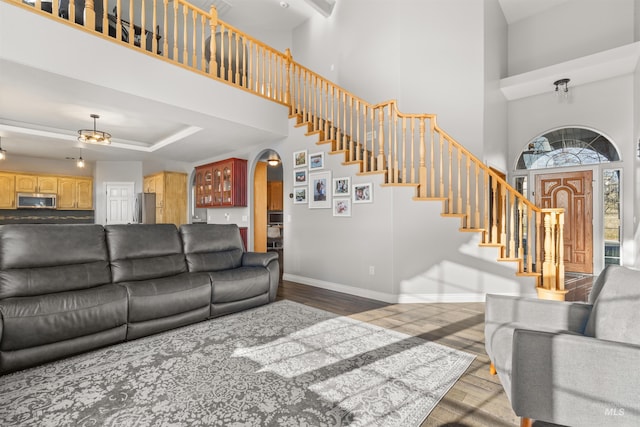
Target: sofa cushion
212 247
144 251
167 296
238 284
37 320
616 312
45 258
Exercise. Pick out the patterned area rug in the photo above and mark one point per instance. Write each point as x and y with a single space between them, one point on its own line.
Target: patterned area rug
283 364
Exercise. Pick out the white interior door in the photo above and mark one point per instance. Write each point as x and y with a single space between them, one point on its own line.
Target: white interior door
120 202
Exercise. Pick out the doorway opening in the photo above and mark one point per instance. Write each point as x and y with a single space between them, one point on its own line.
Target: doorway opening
575 168
268 204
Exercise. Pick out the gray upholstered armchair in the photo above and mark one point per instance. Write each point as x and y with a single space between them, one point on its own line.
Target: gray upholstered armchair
575 364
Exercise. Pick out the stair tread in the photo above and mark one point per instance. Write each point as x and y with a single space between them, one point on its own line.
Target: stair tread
472 230
430 199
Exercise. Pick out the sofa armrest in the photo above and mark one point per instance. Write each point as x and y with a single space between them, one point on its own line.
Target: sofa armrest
575 380
258 259
559 315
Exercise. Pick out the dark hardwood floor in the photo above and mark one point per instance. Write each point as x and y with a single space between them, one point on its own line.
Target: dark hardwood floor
477 398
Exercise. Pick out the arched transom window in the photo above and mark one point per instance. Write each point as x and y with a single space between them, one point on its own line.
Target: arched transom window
567 147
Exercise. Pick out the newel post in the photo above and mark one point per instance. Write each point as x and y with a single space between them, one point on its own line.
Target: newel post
213 23
553 264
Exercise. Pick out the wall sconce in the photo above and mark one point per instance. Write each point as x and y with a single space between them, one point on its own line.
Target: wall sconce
562 88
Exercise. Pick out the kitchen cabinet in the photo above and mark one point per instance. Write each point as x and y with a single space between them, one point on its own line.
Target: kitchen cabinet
274 195
36 184
222 184
75 193
7 191
170 189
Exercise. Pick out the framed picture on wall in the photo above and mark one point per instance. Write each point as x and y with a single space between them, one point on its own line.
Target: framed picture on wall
316 161
363 193
300 195
319 190
342 207
300 159
341 186
299 177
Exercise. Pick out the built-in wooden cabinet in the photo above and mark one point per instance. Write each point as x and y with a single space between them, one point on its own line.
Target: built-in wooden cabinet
274 195
36 184
222 184
7 191
171 196
74 192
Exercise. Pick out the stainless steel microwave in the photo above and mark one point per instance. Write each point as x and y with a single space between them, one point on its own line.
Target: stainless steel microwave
36 201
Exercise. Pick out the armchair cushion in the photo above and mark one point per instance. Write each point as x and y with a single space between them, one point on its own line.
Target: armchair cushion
616 311
212 247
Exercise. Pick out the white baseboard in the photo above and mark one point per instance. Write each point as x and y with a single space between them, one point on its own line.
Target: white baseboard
395 299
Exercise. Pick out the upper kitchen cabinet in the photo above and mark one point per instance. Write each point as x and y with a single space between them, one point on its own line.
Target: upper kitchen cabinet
36 184
75 193
222 184
7 191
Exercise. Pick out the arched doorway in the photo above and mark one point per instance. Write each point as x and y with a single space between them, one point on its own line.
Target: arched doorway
268 201
560 169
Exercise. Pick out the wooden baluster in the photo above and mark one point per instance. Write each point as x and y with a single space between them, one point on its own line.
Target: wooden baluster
304 95
529 253
203 42
332 129
512 220
539 245
365 150
314 102
185 39
477 197
548 266
268 64
345 137
132 31
441 154
143 25
223 69
194 36
487 200
432 159
229 76
459 185
175 32
503 215
165 30
359 147
154 37
90 14
213 23
244 69
105 14
404 150
396 155
372 158
521 218
412 123
352 147
495 205
263 77
450 205
38 5
380 161
251 66
468 219
287 79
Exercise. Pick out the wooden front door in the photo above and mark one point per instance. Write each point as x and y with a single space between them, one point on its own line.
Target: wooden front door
573 192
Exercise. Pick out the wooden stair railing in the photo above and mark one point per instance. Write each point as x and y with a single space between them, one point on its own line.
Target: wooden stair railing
409 149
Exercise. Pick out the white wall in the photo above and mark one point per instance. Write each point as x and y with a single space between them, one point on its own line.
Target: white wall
16 163
424 53
495 104
571 30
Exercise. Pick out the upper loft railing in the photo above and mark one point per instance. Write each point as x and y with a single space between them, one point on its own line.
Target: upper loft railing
409 149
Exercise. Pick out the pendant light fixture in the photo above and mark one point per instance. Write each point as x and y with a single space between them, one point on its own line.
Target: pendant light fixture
80 162
94 136
3 153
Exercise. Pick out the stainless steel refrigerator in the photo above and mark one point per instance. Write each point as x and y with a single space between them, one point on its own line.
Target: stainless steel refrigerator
145 208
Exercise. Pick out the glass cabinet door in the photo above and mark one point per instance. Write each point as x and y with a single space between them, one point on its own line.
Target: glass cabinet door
217 187
226 186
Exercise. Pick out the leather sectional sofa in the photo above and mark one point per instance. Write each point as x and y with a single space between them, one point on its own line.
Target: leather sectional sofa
68 289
